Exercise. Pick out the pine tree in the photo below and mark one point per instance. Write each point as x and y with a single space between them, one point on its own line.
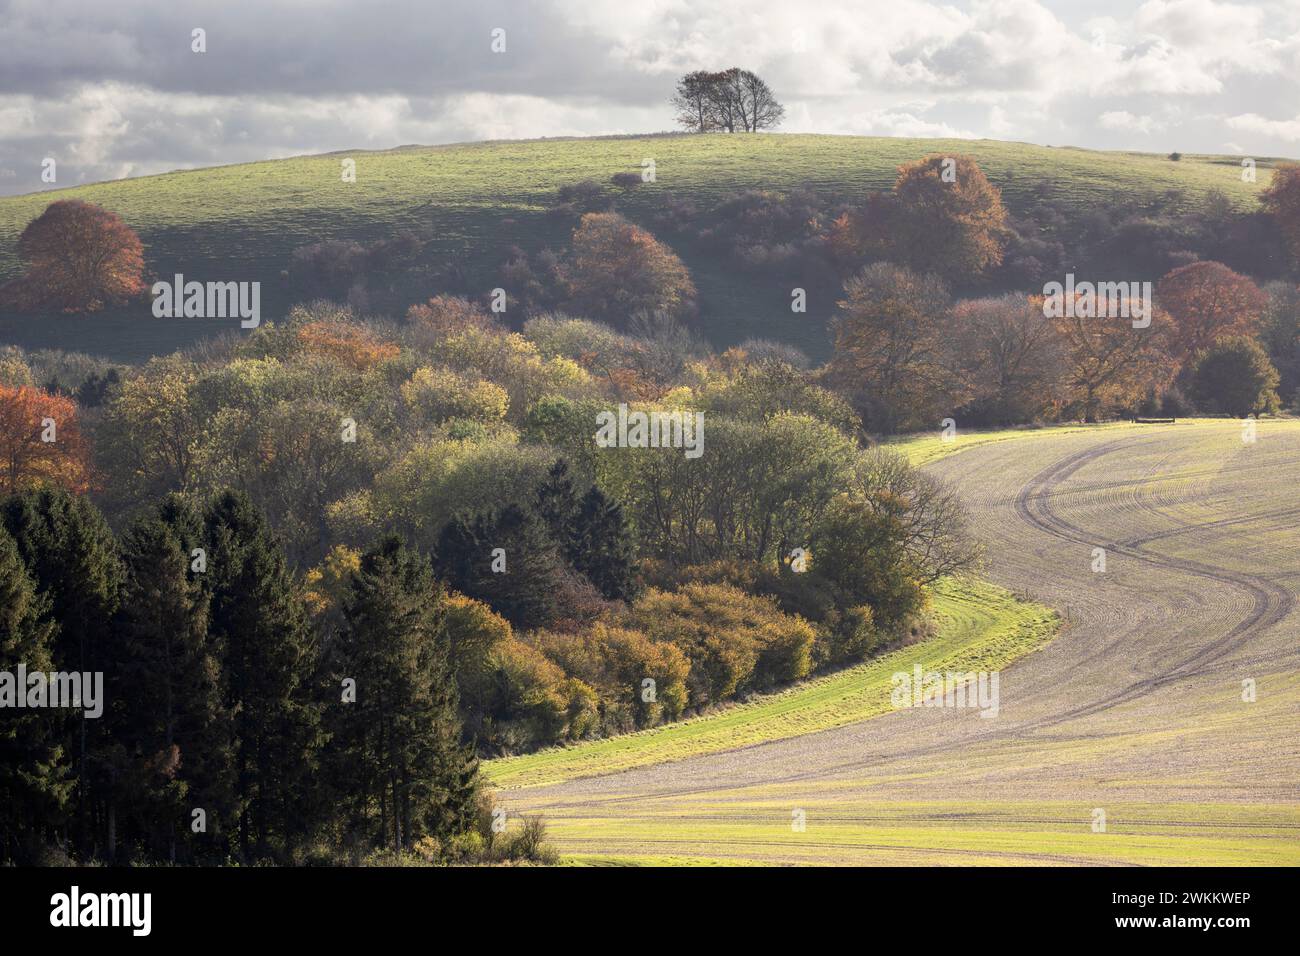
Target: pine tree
72 556
602 546
528 571
260 632
168 724
400 739
34 778
591 532
557 504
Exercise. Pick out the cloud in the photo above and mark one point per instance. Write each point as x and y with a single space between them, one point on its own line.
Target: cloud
114 90
1123 119
1288 130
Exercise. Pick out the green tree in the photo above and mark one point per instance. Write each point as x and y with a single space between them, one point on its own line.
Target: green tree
260 630
400 739
72 556
34 781
591 532
170 730
528 568
1236 377
601 546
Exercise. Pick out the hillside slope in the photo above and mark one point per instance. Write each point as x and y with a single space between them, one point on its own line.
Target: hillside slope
1136 710
476 200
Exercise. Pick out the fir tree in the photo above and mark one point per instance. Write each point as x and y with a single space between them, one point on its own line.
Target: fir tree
170 730
72 556
260 633
590 532
34 781
521 580
400 739
602 546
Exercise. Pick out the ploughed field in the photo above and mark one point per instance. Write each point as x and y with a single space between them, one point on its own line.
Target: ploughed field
1135 710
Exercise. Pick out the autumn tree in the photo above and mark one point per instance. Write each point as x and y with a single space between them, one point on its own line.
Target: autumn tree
693 100
1109 365
1009 357
445 314
40 441
1282 201
1208 302
950 220
1280 336
353 346
755 102
893 354
80 257
617 269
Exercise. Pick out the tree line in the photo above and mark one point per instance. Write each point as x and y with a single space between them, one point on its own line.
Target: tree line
232 732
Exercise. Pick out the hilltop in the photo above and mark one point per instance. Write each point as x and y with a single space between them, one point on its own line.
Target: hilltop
475 201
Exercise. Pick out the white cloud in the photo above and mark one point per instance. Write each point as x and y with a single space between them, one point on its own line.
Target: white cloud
114 93
1123 119
1288 130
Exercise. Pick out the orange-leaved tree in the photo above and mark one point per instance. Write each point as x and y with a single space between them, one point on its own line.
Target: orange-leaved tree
950 219
618 269
40 441
1108 364
353 346
1208 302
893 351
80 257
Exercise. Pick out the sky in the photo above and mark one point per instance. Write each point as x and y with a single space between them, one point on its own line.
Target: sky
115 89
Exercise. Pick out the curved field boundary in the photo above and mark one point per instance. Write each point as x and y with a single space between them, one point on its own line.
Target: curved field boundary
980 627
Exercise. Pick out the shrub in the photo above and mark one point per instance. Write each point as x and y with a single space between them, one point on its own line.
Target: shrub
735 641
1236 377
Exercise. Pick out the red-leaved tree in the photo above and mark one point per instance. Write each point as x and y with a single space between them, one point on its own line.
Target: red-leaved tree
80 257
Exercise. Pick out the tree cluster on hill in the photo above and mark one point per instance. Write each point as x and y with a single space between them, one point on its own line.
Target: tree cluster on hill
725 101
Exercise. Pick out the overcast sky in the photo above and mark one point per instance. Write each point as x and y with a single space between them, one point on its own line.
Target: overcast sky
113 89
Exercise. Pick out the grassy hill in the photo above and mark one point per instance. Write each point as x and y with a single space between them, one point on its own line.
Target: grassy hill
241 222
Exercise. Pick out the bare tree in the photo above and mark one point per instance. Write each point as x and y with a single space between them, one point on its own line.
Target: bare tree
757 106
727 100
694 99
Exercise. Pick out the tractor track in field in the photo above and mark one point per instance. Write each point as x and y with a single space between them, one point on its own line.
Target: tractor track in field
1270 603
1152 653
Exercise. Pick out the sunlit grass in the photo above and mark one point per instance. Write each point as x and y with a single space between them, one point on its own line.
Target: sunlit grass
476 200
980 627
